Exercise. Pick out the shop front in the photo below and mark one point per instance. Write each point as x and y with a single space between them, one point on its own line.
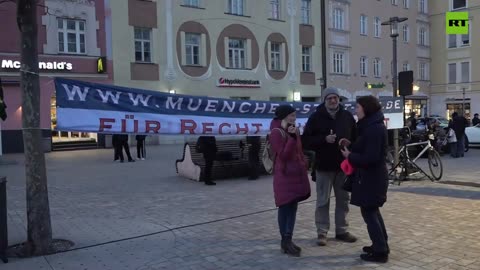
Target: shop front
85 68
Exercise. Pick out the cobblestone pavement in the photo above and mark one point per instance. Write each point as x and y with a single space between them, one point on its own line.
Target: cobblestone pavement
142 216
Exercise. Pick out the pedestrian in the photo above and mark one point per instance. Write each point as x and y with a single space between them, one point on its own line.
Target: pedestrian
475 120
459 123
140 146
324 128
253 156
290 176
412 121
370 176
123 145
115 144
207 145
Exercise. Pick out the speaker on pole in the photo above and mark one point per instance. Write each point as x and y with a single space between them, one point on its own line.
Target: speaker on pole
405 83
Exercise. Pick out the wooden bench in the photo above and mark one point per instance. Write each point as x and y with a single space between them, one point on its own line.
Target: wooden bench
192 164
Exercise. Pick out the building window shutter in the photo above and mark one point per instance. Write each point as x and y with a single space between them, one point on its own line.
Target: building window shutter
269 55
203 50
248 54
283 57
227 59
183 48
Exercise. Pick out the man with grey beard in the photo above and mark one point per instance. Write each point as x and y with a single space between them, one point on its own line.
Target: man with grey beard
323 132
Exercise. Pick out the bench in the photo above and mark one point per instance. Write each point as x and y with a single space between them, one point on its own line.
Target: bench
231 161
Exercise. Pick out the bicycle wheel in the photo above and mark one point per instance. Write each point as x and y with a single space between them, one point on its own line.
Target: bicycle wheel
435 164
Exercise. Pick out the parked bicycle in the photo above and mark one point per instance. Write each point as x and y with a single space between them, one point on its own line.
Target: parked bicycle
407 166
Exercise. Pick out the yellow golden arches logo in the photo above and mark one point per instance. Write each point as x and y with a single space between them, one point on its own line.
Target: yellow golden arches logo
102 65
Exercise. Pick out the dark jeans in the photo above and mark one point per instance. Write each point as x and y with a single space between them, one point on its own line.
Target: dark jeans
125 146
253 162
376 228
116 152
287 215
141 149
209 159
458 149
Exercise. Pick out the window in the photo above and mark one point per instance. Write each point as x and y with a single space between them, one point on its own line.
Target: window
306 6
339 62
363 66
306 59
406 33
406 67
406 3
395 2
71 36
143 51
275 5
377 68
192 48
422 6
452 73
377 24
363 25
458 4
192 3
235 7
275 56
455 41
465 70
237 53
338 19
422 36
423 71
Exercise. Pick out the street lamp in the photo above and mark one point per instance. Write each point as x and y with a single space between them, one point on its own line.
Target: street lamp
393 22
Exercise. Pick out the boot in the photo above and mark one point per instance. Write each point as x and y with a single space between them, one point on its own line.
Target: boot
375 257
369 249
283 245
289 248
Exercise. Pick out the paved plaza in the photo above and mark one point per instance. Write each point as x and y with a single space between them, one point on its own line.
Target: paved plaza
141 216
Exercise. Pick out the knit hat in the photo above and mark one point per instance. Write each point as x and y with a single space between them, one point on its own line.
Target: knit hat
329 91
283 111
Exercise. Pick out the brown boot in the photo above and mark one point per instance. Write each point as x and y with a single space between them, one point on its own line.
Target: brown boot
322 240
288 247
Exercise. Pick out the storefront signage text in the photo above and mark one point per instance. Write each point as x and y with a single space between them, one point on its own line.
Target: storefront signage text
222 82
457 23
374 85
10 64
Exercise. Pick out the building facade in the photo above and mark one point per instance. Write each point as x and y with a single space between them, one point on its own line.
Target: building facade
71 43
456 56
241 49
360 48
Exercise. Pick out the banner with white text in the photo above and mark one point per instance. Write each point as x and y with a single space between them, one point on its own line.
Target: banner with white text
91 107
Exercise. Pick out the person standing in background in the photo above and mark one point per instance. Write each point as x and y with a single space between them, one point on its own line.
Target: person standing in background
253 156
141 146
123 143
115 144
475 120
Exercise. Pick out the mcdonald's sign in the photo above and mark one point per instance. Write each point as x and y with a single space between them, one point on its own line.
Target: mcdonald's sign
102 64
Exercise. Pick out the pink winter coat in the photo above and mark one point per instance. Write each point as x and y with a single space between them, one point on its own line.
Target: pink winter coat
290 178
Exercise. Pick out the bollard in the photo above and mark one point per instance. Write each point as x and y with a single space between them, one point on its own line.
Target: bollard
3 220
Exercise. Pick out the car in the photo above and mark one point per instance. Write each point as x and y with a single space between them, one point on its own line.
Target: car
421 122
473 135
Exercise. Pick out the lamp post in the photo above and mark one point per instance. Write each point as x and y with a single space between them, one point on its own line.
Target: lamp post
393 22
463 101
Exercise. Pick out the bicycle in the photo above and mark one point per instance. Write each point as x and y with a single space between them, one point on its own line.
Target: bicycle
406 164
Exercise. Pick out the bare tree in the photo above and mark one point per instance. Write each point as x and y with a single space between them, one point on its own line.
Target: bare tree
39 229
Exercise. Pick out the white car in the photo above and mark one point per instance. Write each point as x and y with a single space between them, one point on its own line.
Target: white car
473 135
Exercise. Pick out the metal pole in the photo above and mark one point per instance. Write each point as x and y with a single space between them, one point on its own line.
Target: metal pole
395 94
463 101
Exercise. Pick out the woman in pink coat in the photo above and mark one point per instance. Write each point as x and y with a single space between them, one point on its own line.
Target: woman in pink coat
290 178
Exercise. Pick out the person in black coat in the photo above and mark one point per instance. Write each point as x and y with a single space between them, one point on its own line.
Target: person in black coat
459 123
123 143
475 120
140 146
370 178
207 145
253 156
115 143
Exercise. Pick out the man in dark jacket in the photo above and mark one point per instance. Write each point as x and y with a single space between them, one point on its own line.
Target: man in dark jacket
207 145
412 121
123 143
458 124
475 120
253 156
324 129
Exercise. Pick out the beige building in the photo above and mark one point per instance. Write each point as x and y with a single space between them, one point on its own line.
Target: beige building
453 82
360 48
241 49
